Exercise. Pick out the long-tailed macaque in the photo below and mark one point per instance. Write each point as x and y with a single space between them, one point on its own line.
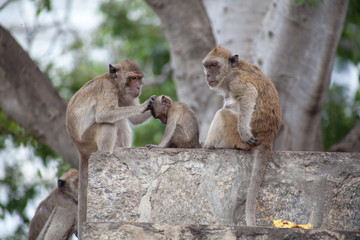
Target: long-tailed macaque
182 127
250 118
64 195
97 116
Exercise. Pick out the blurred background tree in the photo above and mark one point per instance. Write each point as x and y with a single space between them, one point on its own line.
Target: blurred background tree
129 28
341 111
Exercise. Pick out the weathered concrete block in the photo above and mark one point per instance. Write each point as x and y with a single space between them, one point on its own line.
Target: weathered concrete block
148 231
198 186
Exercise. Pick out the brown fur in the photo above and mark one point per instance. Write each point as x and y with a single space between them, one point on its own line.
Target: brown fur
97 116
66 198
251 117
182 129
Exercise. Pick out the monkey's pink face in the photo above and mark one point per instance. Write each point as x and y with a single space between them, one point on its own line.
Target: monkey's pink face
211 68
134 82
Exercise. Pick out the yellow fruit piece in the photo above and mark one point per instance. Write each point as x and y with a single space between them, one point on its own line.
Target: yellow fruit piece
286 224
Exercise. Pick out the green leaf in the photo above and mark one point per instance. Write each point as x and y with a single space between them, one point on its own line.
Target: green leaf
299 2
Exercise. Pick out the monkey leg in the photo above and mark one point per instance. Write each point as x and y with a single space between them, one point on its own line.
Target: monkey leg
124 134
223 131
106 137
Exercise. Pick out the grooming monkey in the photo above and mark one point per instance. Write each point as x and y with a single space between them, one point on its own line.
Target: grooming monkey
250 118
97 116
64 195
182 128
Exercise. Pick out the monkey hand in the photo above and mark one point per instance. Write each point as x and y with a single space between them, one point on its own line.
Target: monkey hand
148 103
151 146
252 141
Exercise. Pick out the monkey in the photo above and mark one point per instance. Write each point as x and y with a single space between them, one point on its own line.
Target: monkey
97 116
64 195
250 118
182 127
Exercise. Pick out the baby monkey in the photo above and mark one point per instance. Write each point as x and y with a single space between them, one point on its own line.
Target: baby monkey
182 127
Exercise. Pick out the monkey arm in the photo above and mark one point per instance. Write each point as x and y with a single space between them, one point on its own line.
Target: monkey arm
112 114
169 131
140 118
246 94
108 111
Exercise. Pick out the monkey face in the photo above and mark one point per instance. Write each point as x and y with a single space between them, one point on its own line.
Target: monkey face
217 65
134 82
128 75
212 68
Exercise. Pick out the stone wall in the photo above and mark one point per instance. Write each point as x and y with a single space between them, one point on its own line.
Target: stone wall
198 186
149 231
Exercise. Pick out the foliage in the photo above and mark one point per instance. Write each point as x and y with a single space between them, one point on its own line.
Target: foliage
338 115
310 3
349 47
21 137
135 28
18 198
41 5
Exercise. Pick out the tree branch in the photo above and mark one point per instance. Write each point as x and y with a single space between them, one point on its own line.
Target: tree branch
28 97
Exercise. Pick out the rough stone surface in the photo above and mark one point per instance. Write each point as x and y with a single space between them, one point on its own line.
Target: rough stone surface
148 231
198 186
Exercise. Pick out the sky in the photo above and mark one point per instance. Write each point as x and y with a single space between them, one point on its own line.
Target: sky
19 17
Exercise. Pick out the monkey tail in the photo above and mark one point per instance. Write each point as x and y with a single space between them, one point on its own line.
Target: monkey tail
260 155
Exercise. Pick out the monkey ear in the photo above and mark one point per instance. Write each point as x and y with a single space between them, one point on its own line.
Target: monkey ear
61 184
165 100
234 60
112 71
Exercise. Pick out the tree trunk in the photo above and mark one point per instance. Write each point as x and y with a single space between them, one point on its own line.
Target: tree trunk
188 31
351 142
302 41
237 23
28 98
295 47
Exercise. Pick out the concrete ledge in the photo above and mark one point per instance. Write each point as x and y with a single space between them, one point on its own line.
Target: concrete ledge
145 231
199 186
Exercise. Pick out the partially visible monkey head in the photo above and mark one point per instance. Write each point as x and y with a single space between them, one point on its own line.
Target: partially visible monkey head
159 108
128 75
69 183
217 64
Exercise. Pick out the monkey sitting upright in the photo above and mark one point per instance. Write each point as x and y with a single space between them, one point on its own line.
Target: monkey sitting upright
64 195
182 127
98 116
251 116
